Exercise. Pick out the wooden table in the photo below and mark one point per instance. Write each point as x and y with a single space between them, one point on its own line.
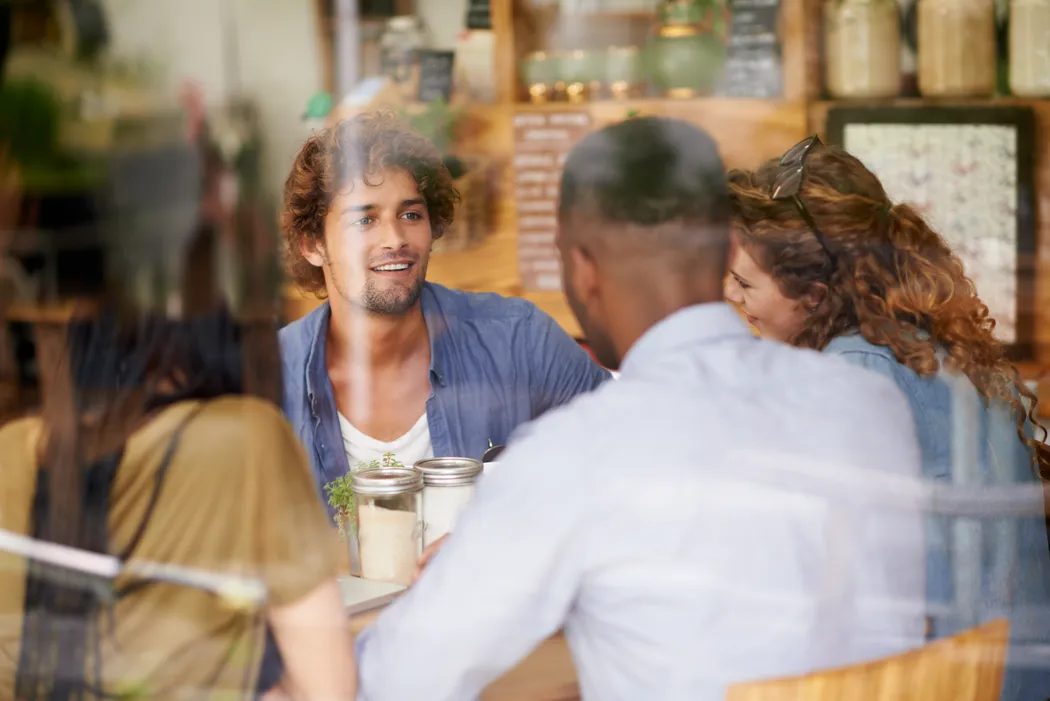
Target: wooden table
546 675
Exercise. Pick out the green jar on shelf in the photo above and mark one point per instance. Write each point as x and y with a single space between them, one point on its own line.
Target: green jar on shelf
686 53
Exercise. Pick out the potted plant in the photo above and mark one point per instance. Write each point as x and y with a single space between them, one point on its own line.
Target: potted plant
341 496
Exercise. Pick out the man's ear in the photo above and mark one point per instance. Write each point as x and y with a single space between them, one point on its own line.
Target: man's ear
584 272
312 250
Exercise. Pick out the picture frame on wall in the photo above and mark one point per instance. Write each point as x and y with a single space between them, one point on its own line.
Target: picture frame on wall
969 171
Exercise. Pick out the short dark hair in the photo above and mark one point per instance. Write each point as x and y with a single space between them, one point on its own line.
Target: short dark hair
649 171
357 147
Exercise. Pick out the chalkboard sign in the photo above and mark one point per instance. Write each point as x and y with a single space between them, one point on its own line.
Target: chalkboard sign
435 75
375 8
542 140
753 67
479 15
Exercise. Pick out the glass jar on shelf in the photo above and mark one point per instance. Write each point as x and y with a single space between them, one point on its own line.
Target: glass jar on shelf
448 484
862 47
389 522
624 72
539 73
403 37
956 48
1030 48
687 51
580 71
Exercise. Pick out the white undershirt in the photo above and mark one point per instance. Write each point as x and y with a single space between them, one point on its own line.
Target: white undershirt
409 449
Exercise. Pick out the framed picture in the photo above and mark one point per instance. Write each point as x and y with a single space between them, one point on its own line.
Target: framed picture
969 171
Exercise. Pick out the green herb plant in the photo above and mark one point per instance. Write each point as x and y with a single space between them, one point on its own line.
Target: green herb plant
341 496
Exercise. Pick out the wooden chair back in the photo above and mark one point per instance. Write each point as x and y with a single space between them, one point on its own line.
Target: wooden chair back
965 667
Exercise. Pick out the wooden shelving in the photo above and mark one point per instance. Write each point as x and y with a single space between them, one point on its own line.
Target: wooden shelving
747 130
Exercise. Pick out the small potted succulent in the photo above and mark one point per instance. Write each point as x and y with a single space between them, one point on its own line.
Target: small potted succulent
341 496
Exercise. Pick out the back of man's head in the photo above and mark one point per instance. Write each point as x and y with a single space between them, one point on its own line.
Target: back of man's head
651 184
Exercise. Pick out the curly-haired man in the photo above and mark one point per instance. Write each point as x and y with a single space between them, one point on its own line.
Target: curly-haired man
391 363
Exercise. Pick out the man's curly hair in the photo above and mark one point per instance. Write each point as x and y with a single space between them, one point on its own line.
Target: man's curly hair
361 147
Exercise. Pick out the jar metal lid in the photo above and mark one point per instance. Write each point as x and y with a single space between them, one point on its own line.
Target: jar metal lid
404 22
386 481
449 472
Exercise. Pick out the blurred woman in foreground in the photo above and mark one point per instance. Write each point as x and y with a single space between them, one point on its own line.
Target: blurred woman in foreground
826 261
160 443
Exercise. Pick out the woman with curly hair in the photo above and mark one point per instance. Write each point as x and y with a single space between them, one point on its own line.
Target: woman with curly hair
825 260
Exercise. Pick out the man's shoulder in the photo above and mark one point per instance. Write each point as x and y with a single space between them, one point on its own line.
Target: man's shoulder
296 338
480 306
585 417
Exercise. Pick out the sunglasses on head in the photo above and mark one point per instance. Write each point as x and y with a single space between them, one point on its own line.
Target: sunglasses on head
787 183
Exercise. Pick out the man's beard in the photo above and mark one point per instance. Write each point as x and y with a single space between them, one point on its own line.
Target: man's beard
594 335
393 301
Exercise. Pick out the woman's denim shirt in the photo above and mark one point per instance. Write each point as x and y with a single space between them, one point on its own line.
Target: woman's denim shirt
1014 557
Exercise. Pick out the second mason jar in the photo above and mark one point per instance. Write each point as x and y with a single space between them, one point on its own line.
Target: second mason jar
389 522
862 48
1030 48
956 48
448 486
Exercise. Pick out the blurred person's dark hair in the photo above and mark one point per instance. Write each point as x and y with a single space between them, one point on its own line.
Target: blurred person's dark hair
643 228
360 147
660 179
126 354
894 279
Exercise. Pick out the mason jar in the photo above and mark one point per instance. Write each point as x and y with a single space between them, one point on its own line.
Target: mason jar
389 522
448 485
956 48
1030 48
399 45
862 48
624 72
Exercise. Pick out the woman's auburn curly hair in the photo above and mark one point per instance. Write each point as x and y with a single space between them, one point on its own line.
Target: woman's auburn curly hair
331 159
895 280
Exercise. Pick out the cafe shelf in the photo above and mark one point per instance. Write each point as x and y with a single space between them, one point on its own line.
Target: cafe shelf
748 120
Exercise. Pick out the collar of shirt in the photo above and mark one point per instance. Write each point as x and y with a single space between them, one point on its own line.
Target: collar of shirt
317 365
696 325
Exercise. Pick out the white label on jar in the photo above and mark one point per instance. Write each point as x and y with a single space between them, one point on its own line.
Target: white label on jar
388 542
441 507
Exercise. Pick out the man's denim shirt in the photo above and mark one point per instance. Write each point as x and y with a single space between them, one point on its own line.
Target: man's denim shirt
495 363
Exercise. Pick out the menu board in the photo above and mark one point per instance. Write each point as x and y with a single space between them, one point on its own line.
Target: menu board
435 75
753 66
542 141
479 14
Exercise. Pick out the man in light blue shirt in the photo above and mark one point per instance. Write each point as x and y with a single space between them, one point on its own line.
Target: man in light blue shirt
728 510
